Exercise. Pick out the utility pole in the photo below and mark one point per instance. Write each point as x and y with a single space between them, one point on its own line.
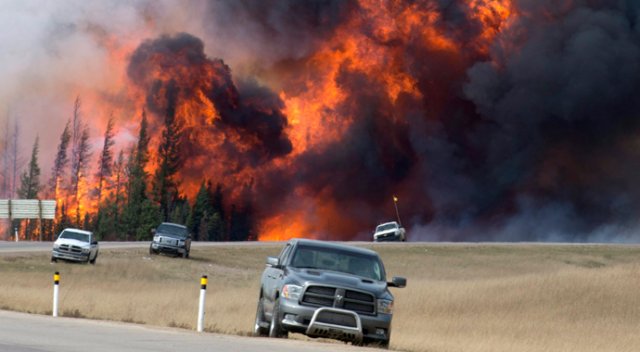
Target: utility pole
395 203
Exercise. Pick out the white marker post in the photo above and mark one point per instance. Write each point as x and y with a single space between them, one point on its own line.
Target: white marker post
203 292
56 285
16 232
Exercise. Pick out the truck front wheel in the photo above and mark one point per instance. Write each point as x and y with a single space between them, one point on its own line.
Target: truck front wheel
259 329
275 329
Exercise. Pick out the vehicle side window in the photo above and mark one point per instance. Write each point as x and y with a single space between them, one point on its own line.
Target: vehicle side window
284 255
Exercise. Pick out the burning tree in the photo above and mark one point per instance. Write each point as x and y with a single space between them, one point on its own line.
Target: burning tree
30 187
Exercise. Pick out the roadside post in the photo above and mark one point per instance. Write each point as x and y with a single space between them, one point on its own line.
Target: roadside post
16 232
56 285
203 292
395 202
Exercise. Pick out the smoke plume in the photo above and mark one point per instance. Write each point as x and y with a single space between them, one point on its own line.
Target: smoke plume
507 120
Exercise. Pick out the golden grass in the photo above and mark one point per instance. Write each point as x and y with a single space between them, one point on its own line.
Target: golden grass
458 298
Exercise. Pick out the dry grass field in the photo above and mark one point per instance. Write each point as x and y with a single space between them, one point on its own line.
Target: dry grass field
460 297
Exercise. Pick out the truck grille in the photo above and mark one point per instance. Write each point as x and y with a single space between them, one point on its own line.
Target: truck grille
70 249
170 241
335 318
326 296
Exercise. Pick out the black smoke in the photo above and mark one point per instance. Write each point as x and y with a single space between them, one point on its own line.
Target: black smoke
534 139
252 112
532 136
558 104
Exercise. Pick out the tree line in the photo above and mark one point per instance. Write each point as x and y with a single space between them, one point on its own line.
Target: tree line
121 199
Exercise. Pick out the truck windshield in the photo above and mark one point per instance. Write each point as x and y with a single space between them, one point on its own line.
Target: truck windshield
385 227
74 235
353 263
172 230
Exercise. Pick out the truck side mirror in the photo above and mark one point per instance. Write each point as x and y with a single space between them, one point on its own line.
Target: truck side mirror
398 282
94 242
273 261
153 231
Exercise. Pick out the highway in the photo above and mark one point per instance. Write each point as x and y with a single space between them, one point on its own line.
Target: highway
28 246
21 332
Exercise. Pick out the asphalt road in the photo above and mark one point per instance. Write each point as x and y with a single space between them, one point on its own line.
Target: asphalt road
21 332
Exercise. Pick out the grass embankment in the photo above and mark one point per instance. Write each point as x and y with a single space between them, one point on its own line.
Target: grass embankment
458 298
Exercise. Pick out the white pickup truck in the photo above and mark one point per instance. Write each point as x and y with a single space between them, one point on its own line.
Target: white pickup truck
75 245
389 231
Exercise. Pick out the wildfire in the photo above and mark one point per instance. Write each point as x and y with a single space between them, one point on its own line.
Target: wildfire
235 130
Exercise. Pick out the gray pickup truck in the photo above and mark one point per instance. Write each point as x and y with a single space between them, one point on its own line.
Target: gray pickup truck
328 290
171 238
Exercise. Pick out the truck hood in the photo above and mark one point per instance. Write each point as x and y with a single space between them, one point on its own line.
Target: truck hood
332 278
72 242
386 232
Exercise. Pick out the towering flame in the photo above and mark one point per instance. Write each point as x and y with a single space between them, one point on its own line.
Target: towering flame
485 117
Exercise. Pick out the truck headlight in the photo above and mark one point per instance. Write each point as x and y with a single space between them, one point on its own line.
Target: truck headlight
156 238
291 291
181 243
385 306
86 250
56 245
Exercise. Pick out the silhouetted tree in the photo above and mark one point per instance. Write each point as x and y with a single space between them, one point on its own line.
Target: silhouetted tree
201 209
165 186
30 186
140 214
105 163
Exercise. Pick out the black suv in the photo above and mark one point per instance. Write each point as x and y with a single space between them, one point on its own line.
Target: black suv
171 238
329 290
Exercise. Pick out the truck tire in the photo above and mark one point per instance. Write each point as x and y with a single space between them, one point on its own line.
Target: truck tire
151 251
258 329
275 328
93 261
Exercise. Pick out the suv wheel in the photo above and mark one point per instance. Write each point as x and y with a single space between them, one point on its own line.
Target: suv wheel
275 329
258 328
151 251
93 261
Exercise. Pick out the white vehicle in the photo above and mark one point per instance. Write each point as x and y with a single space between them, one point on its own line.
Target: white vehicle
75 245
389 231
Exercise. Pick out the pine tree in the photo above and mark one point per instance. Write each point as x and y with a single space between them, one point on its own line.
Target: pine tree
218 229
76 130
105 163
79 172
61 162
242 225
165 186
108 223
180 211
57 173
30 179
105 171
63 221
80 155
119 170
30 185
139 215
201 209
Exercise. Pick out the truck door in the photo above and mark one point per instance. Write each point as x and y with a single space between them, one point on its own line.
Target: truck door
274 279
